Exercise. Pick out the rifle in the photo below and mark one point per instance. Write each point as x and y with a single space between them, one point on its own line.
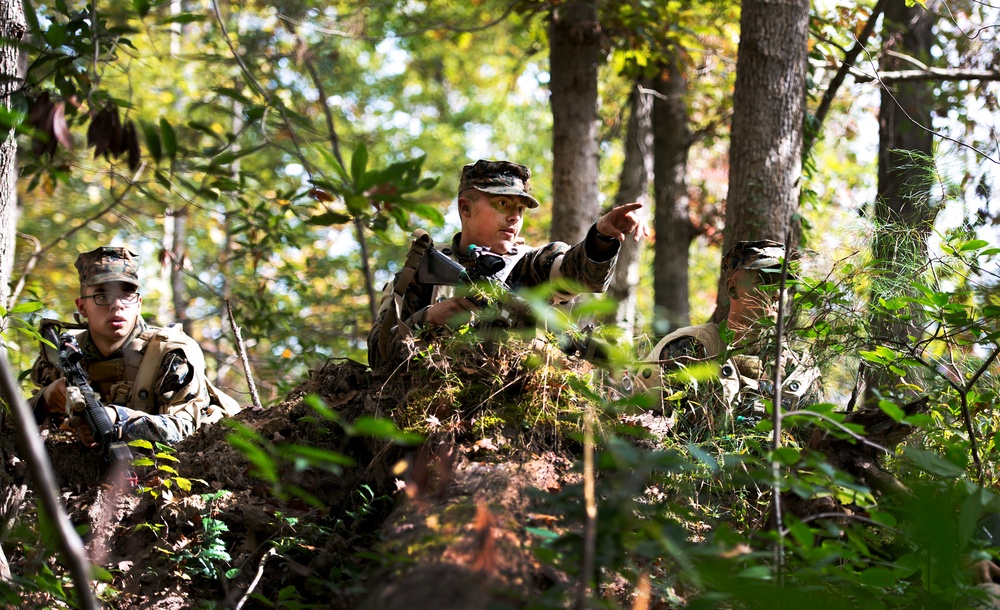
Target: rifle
491 293
93 413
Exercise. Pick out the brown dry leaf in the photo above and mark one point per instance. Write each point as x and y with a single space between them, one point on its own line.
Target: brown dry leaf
59 127
485 546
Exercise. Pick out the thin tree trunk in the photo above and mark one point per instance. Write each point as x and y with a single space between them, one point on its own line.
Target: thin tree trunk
768 111
575 54
904 212
633 185
12 29
178 251
673 226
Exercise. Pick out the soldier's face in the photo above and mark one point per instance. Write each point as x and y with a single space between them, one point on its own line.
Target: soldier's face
488 220
112 322
750 300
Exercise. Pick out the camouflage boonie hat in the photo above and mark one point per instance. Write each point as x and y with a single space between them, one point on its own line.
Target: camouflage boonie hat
761 254
107 264
498 178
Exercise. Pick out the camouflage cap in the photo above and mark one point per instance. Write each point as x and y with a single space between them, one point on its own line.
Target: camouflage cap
761 254
107 264
498 178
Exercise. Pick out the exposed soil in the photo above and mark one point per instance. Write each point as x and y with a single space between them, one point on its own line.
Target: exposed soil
442 524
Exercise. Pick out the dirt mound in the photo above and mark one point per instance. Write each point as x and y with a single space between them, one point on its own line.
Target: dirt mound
318 501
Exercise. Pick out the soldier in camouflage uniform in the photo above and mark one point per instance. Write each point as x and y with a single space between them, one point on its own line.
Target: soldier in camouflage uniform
751 269
492 199
152 381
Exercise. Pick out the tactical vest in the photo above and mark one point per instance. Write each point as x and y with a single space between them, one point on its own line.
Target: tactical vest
130 380
740 375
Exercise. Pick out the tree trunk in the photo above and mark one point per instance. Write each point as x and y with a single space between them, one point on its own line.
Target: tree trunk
178 252
12 28
903 212
575 53
633 185
673 226
768 112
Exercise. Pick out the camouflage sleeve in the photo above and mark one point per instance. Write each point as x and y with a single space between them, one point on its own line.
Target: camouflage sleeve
181 398
42 374
415 302
589 264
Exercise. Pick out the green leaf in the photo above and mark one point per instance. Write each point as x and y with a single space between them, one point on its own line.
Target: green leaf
890 409
328 219
183 483
315 454
142 443
143 462
379 427
975 244
169 138
878 577
933 463
317 404
182 19
703 457
141 7
55 36
27 307
789 456
166 468
359 162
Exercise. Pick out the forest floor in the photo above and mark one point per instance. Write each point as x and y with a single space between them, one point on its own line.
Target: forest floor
320 503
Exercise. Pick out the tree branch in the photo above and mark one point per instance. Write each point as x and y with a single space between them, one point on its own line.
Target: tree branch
935 74
845 67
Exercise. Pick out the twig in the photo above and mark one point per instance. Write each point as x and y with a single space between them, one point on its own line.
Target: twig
844 516
849 59
779 543
256 579
47 487
241 348
590 502
861 439
30 265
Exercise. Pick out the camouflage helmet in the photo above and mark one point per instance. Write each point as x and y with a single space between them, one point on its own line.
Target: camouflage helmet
498 178
760 254
107 264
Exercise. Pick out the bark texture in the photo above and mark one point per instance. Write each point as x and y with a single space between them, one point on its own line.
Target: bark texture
768 112
673 226
575 53
12 29
633 185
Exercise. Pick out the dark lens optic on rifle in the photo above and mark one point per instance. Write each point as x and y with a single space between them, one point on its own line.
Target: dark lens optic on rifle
105 299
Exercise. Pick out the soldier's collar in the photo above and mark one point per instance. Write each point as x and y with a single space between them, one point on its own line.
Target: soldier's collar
461 255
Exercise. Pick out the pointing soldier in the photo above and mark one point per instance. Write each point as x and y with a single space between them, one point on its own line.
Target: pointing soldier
492 199
151 380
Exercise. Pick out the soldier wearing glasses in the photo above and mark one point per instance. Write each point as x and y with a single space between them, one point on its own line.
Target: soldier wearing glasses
152 380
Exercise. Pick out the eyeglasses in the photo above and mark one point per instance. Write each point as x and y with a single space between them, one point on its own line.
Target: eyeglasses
105 299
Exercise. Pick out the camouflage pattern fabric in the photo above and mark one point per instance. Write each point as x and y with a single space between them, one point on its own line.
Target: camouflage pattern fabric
498 178
760 254
529 267
107 264
181 396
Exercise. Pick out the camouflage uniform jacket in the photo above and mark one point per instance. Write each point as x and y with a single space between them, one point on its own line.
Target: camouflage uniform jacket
743 375
183 399
526 267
